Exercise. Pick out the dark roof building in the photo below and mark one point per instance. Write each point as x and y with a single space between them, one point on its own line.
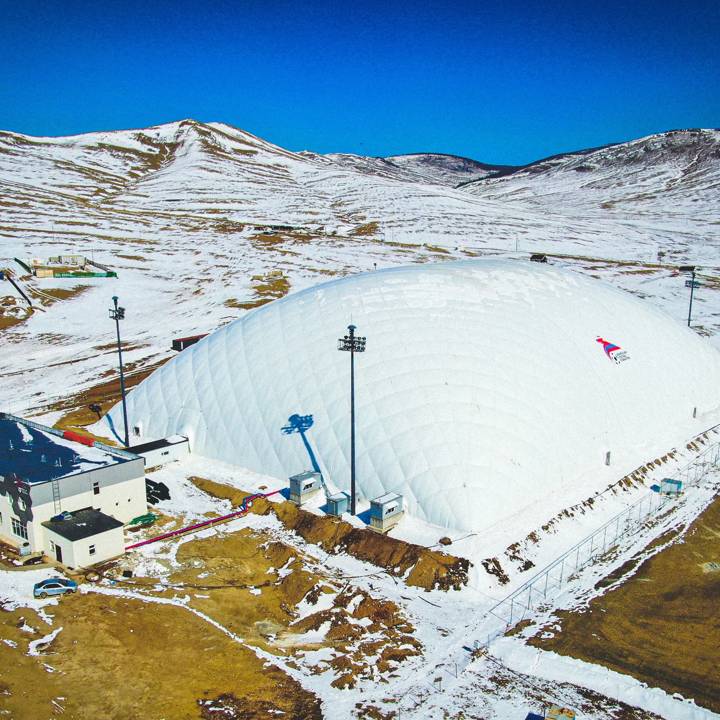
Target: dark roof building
82 524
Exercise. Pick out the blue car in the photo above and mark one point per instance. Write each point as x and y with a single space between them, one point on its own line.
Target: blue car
54 586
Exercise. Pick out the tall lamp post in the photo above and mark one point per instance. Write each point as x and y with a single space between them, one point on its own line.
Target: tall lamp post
352 343
692 284
117 314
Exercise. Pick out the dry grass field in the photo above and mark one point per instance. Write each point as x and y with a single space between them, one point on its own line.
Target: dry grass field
661 625
120 658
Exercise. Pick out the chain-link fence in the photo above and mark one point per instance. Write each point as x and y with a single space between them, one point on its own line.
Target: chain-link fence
516 606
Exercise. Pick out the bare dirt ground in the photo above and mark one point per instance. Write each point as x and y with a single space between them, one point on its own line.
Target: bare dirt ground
178 639
420 566
76 408
120 658
660 622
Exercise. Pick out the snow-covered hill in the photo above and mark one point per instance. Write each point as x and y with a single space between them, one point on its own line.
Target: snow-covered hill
202 221
447 169
676 174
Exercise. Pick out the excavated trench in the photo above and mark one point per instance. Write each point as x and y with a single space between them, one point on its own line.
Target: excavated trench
418 566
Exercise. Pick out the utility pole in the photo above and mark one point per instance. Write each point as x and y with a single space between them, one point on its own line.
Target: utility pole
352 343
117 314
692 284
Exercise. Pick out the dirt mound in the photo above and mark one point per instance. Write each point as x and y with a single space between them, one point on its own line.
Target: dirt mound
419 566
231 707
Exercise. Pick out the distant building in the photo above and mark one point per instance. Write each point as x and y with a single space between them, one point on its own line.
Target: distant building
77 266
179 344
47 476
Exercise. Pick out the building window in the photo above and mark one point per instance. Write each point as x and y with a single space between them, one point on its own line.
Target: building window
96 487
19 529
91 549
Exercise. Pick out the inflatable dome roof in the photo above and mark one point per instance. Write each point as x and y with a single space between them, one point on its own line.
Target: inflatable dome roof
486 387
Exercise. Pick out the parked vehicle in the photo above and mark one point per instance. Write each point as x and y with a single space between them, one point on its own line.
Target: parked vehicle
54 586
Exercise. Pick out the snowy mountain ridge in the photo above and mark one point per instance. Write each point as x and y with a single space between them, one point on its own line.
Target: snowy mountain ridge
204 221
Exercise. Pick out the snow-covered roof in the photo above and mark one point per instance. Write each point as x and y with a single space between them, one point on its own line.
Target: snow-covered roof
488 388
37 456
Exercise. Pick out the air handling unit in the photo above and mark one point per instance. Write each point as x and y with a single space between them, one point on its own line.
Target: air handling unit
337 504
304 487
386 512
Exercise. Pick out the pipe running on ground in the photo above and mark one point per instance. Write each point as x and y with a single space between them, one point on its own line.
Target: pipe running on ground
244 508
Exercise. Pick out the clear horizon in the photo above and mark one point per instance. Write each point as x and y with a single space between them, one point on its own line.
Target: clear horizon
499 84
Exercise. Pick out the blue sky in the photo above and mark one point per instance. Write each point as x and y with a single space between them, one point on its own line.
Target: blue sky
503 82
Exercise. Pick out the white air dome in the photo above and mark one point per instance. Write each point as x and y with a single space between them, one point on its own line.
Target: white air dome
483 390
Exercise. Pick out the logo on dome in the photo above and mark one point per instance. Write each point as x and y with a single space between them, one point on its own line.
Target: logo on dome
613 351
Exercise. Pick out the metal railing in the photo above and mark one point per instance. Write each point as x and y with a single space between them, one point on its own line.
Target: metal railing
125 454
541 586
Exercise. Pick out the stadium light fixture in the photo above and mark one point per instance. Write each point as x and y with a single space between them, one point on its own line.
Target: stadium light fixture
117 314
692 284
353 344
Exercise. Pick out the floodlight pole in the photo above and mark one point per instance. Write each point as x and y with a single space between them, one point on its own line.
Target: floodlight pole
690 269
692 290
352 343
117 314
351 330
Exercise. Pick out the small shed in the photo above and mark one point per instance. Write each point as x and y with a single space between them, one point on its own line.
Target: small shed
669 486
386 511
160 452
84 537
179 344
304 486
338 503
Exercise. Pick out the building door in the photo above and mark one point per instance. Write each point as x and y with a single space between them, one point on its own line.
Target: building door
58 553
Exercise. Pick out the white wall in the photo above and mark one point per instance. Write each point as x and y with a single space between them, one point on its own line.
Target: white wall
6 513
155 458
108 544
124 501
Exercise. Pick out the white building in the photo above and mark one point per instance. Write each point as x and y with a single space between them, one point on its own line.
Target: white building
45 473
161 452
84 537
490 391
